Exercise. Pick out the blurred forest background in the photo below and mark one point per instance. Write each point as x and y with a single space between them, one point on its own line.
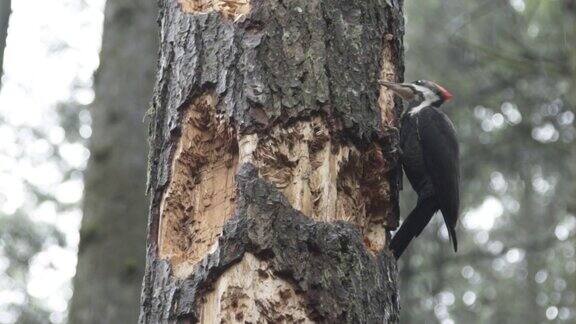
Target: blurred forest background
511 65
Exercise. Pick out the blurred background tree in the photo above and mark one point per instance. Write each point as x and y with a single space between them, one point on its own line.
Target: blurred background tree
510 64
47 66
5 11
113 231
44 124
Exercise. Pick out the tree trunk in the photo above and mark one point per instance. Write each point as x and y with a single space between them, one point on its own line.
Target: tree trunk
531 223
570 10
110 257
570 6
5 11
282 94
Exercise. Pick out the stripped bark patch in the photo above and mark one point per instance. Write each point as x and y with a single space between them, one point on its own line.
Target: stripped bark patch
283 156
200 194
324 178
299 74
249 292
231 9
364 194
387 73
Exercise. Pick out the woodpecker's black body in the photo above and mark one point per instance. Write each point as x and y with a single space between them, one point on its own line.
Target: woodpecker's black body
430 161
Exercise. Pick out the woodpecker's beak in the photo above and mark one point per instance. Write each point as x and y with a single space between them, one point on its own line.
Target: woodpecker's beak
402 89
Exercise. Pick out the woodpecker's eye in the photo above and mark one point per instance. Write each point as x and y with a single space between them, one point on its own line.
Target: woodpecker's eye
419 82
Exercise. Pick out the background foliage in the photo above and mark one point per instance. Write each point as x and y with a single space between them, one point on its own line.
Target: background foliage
511 66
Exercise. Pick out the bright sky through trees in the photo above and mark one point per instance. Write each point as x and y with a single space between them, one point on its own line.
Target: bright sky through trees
52 52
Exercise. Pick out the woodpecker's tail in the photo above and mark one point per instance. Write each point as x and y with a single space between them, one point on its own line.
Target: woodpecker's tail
452 235
413 225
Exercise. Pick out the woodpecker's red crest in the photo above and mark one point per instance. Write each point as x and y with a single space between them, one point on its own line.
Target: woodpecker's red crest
445 94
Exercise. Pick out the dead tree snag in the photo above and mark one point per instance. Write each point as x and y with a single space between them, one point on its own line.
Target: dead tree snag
283 94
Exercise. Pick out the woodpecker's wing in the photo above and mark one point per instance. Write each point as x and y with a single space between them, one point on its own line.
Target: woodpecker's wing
440 150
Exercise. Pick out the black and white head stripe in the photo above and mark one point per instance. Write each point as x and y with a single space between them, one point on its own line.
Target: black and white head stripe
428 96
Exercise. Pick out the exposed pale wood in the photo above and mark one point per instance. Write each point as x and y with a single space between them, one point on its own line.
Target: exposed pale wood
388 72
316 189
200 194
229 8
325 179
322 269
249 292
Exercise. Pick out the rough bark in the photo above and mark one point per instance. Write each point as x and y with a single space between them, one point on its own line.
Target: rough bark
285 94
5 11
111 257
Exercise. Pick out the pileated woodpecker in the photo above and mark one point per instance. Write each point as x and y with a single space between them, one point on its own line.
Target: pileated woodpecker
430 159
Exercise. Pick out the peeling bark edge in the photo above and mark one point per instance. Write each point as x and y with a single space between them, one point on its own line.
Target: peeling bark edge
181 78
397 27
187 67
326 262
187 70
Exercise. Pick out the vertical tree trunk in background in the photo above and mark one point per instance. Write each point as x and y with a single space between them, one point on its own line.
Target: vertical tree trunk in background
5 11
282 94
531 223
111 256
406 275
570 10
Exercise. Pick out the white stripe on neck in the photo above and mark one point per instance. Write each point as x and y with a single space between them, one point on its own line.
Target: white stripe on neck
422 105
429 98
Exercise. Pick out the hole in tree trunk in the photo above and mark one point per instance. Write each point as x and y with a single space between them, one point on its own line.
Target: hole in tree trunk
200 194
